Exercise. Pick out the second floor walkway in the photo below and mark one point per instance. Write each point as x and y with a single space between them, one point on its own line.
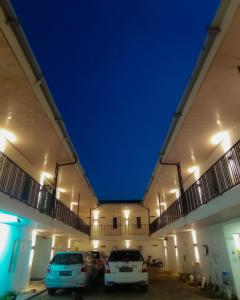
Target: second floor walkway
120 230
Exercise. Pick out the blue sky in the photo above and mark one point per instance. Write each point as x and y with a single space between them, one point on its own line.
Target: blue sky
117 70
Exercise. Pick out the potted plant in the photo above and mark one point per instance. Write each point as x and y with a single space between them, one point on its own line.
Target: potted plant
10 295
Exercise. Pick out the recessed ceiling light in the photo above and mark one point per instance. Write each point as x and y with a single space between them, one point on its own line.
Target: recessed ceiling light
8 135
219 137
193 169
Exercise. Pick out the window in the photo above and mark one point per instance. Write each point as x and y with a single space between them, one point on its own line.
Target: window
67 259
128 255
139 222
115 225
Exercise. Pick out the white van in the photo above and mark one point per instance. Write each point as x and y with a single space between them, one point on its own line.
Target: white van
70 270
126 267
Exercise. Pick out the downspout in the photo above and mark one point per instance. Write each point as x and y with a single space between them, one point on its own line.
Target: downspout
53 200
180 181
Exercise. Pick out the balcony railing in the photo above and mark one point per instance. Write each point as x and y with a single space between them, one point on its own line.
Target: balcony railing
219 178
108 230
19 185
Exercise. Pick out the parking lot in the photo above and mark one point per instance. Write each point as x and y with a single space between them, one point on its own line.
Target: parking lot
161 286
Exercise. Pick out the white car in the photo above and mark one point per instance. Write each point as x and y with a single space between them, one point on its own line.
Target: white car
70 270
126 267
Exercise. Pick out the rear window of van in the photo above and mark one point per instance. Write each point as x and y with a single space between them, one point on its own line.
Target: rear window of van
125 256
67 259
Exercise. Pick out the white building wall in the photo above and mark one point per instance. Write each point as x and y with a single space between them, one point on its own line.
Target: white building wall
41 258
15 247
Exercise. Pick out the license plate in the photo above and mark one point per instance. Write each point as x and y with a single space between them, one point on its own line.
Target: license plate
65 273
125 269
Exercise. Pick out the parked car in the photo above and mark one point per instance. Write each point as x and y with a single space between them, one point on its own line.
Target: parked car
126 267
100 260
70 270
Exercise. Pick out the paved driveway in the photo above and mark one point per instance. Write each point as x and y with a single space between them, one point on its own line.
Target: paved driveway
161 287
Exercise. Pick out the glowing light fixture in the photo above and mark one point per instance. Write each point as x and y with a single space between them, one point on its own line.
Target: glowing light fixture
127 244
34 236
73 204
53 246
193 169
95 244
173 191
158 212
126 216
194 239
95 222
175 245
43 176
236 238
8 135
126 213
7 218
69 245
96 214
219 137
60 190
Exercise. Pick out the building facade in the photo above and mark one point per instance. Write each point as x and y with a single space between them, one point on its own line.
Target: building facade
190 214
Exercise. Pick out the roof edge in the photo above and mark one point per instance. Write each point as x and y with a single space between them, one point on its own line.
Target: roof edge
18 31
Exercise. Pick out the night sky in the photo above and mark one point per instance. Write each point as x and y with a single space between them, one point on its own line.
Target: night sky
117 70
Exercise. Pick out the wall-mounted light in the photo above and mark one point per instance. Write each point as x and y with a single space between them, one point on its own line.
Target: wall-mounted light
53 246
126 216
95 244
33 243
95 217
127 244
73 204
69 244
8 135
194 239
5 136
173 191
45 175
222 137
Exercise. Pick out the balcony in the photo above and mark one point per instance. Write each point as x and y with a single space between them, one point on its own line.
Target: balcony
17 184
218 179
121 230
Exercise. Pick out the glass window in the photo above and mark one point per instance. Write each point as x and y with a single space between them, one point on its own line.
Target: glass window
125 256
67 259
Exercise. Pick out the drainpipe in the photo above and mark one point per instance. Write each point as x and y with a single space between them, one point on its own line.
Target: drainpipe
159 204
79 197
180 181
53 200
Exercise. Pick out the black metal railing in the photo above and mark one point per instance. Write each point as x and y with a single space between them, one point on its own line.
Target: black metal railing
223 175
108 230
16 183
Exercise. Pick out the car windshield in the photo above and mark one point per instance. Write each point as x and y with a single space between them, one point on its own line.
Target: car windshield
95 254
67 259
125 256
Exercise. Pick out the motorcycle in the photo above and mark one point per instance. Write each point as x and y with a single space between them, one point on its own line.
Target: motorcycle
154 262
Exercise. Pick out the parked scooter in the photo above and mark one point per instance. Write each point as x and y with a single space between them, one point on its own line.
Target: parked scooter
154 262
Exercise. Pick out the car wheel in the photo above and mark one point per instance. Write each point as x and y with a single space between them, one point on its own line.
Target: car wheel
51 292
145 288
